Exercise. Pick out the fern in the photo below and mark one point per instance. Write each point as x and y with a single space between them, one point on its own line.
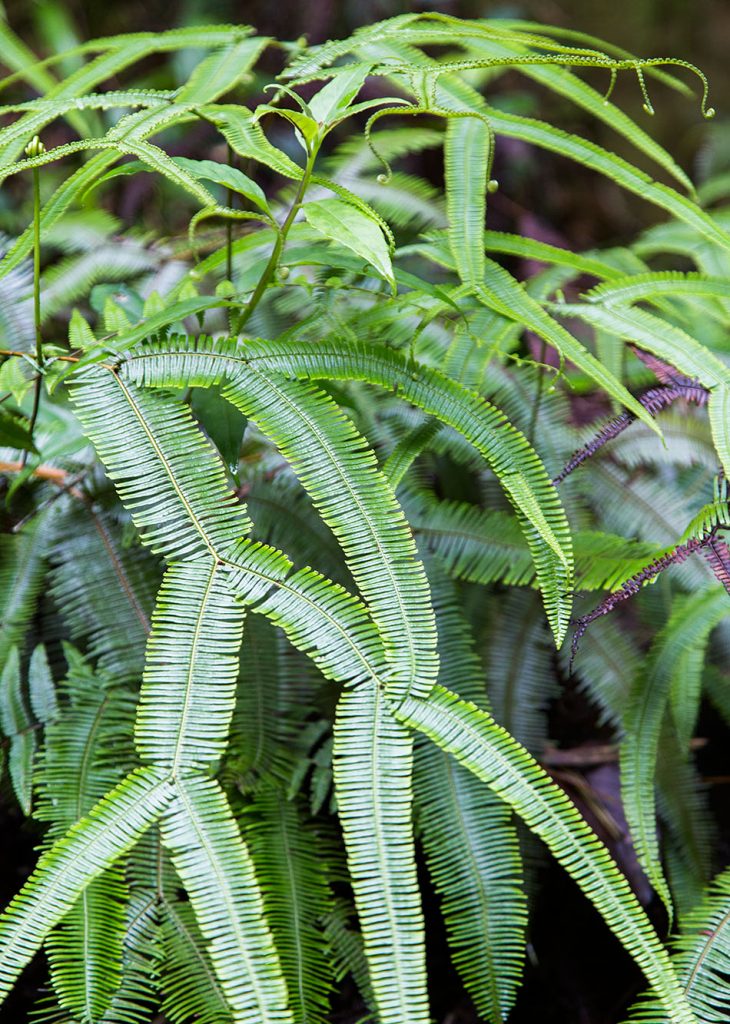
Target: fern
336 434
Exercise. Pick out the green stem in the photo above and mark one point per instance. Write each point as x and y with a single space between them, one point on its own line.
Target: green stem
229 235
36 306
538 394
229 225
271 266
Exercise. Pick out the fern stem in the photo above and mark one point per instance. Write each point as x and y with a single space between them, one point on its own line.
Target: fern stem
36 307
538 393
229 225
271 266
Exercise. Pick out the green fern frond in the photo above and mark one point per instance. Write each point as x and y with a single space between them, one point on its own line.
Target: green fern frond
216 869
674 655
291 861
656 335
469 142
103 589
85 950
373 760
513 460
191 669
190 986
172 495
701 960
469 839
491 753
77 858
719 413
22 568
17 726
688 835
485 545
518 664
340 473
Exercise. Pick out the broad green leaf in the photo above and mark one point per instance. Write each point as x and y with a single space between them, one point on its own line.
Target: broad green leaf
14 432
348 226
306 128
246 137
229 177
331 102
15 377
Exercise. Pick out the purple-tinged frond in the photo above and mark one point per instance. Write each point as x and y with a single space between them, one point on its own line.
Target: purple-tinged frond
632 585
717 554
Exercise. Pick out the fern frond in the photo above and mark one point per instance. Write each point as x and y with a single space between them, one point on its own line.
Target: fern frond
688 833
172 495
470 840
701 960
22 568
373 760
64 871
190 986
655 334
216 869
518 664
674 656
292 866
218 73
103 589
485 545
16 724
503 293
513 460
136 995
331 460
88 746
487 750
191 668
719 411
85 950
469 143
541 134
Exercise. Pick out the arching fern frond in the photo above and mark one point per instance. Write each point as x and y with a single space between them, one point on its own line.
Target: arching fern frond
514 462
469 839
491 753
701 959
216 869
291 860
83 853
191 668
373 760
671 670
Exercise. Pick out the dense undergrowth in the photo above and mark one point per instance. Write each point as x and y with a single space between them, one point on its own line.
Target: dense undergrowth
313 508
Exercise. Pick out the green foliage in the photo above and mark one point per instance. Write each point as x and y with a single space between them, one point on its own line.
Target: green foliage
342 434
